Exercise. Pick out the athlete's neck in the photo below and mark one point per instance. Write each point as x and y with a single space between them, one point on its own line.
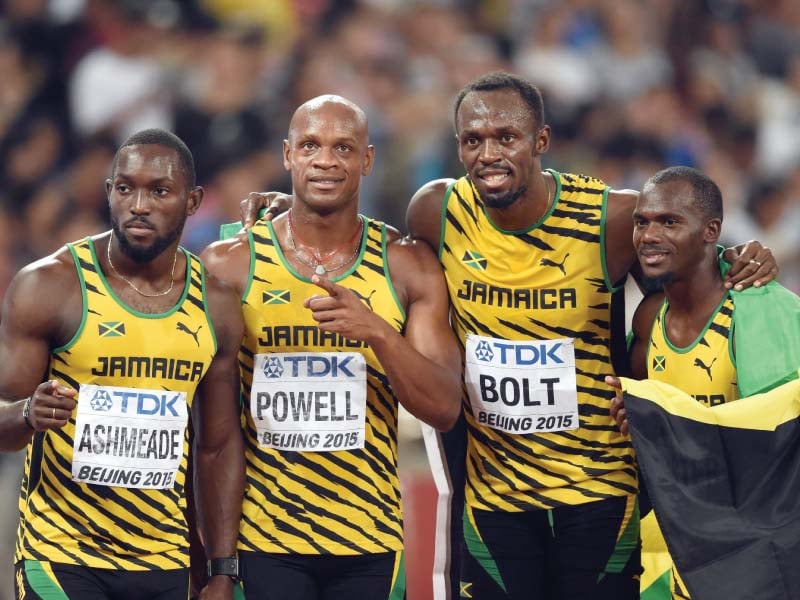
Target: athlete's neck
692 300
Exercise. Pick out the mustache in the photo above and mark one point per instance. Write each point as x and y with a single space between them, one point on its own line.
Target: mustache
141 221
652 248
492 170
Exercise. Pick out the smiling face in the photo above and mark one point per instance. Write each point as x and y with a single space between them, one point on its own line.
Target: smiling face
149 199
499 144
671 233
327 152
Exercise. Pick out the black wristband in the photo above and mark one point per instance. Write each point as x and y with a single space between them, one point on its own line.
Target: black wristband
26 412
224 566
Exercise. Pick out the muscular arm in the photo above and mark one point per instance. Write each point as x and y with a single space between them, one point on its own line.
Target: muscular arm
620 254
424 213
229 262
219 451
424 366
41 310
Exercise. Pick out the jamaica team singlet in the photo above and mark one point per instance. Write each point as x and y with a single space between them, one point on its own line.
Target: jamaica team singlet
107 490
320 418
532 310
706 368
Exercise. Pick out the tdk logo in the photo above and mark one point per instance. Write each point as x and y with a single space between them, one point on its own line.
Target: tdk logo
147 403
309 365
483 351
273 367
520 354
101 401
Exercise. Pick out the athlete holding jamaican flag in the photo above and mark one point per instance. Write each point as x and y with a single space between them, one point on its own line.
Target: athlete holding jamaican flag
724 479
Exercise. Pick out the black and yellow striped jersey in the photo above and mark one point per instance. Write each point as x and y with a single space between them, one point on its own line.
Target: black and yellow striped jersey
107 489
532 311
321 446
706 368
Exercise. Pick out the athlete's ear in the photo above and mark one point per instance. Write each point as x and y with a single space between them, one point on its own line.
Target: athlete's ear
542 140
287 155
369 157
712 231
194 200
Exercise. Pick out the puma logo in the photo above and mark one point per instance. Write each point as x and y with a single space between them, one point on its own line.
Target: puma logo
366 299
699 363
185 329
546 262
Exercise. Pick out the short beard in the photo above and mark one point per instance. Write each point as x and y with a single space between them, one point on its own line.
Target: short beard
503 200
143 255
656 284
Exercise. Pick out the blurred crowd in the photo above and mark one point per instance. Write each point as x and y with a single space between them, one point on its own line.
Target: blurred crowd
630 86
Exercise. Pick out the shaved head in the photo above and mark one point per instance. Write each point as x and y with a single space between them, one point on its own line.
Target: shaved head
347 111
327 152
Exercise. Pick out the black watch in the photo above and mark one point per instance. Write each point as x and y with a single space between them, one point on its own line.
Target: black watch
224 566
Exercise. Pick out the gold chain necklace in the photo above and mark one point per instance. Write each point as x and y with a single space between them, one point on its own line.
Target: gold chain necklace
319 260
130 283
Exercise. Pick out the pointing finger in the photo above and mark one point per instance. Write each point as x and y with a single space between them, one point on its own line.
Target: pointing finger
326 284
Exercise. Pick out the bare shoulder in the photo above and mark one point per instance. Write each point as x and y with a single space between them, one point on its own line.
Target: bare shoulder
45 296
53 273
414 268
621 203
228 261
222 251
423 215
432 192
409 252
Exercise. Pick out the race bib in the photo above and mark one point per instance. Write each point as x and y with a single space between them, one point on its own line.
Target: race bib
128 437
522 386
310 401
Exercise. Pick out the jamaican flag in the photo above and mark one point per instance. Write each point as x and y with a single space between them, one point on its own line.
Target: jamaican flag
725 485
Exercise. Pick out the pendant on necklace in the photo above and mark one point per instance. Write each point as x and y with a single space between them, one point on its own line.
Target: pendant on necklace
319 270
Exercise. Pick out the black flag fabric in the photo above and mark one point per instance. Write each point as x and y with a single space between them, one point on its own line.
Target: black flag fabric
725 486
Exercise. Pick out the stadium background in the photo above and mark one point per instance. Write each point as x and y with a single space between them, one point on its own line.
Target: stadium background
630 86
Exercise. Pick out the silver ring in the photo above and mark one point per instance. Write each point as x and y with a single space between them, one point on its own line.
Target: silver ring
54 413
753 261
